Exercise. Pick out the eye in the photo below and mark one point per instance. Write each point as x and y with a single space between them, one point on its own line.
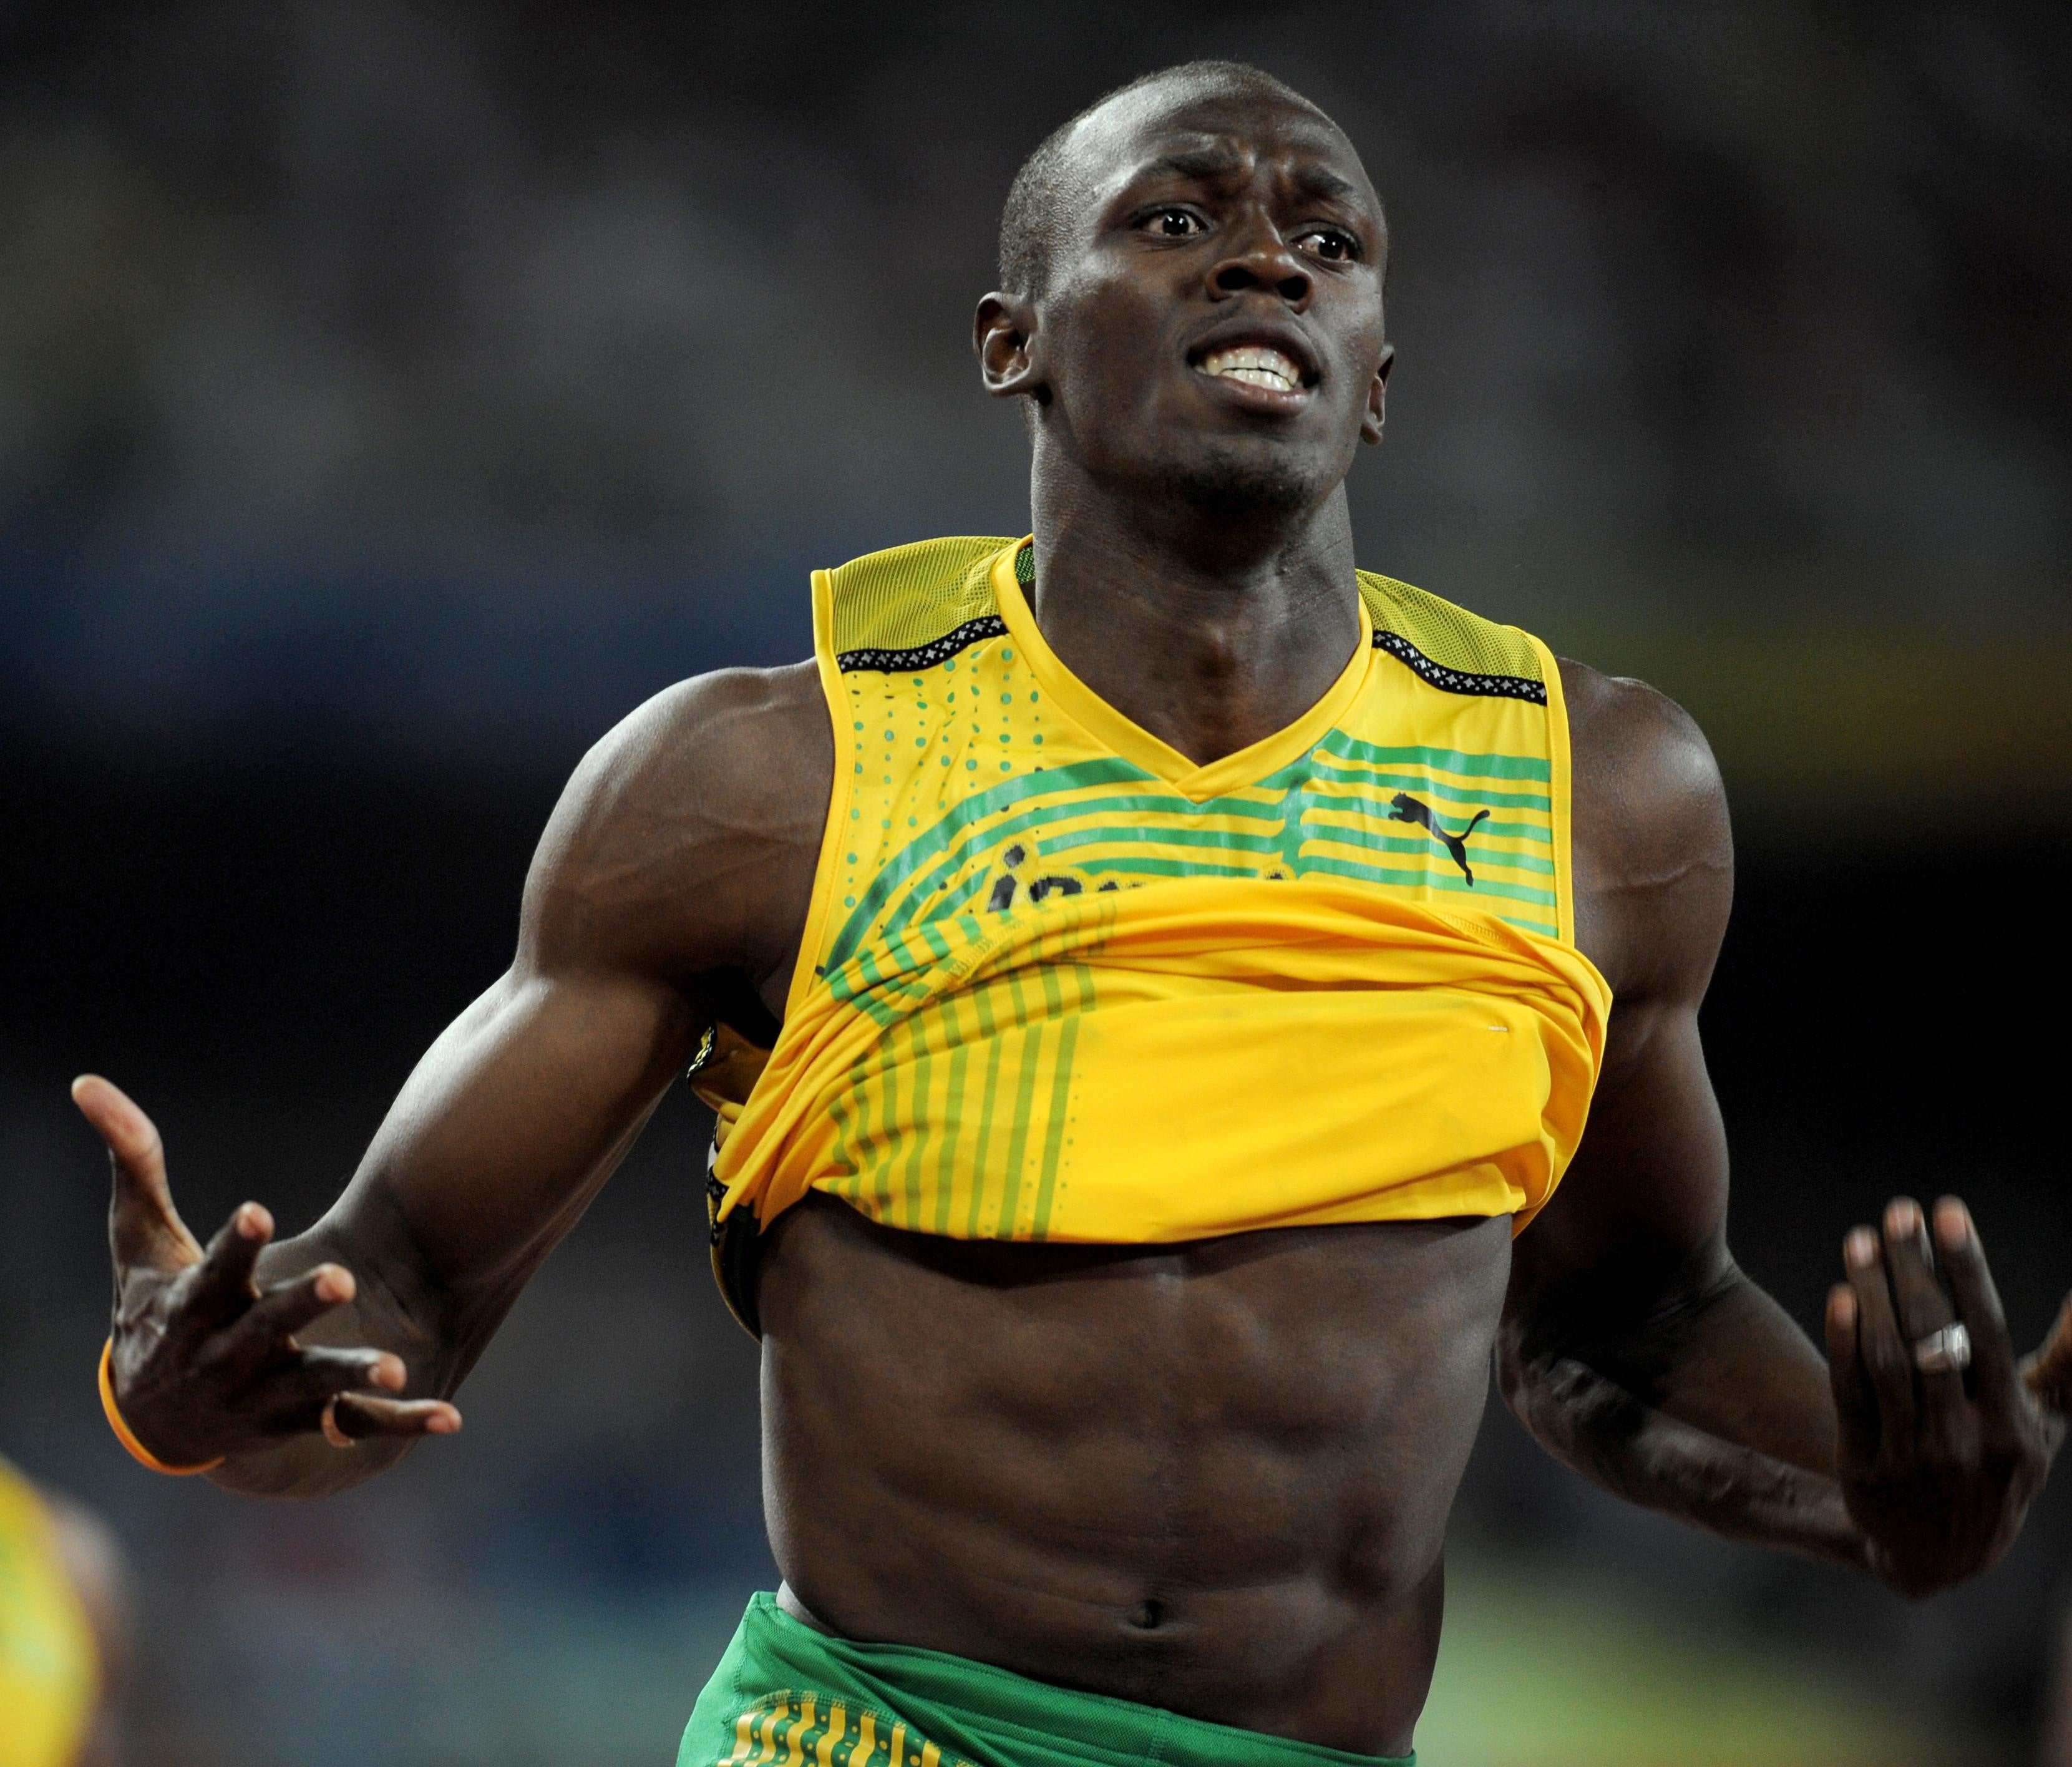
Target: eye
1332 244
1174 223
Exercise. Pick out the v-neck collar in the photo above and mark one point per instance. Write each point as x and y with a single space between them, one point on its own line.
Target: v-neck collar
1247 766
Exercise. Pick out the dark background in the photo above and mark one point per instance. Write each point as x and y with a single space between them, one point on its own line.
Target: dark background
392 395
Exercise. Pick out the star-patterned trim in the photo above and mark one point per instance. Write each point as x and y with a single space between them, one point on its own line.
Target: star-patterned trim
924 657
1506 687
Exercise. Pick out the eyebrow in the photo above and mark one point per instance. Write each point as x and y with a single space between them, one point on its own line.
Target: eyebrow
1211 163
1321 181
1203 162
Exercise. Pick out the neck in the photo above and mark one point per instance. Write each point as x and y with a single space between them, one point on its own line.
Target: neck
1209 630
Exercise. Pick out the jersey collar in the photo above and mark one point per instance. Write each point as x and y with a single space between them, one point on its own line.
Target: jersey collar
1247 766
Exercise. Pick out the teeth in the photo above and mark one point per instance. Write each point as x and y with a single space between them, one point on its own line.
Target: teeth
1257 365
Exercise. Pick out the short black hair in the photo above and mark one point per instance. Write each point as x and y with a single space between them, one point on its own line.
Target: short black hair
1029 221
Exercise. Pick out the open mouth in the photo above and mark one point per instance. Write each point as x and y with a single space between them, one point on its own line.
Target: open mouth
1255 365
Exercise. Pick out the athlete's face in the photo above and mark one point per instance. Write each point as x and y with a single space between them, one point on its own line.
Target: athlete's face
1212 322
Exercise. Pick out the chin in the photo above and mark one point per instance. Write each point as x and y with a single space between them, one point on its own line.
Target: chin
1253 477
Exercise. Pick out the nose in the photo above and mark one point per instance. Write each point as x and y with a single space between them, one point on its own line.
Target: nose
1261 260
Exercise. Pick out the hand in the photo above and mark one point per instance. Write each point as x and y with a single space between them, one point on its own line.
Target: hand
1937 1469
205 1361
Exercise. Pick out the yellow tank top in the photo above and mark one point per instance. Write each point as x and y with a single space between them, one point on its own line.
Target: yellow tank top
1059 983
49 1678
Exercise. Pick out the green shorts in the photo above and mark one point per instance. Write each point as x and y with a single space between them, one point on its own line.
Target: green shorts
786 1696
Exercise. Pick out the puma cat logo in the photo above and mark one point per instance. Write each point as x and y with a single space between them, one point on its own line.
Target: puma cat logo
1406 808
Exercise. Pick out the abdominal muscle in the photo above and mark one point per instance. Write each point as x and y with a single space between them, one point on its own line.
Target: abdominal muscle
1213 1477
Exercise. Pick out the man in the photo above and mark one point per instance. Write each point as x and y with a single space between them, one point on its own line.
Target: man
1146 977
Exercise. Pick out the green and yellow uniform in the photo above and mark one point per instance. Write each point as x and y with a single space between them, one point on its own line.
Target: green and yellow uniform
785 1696
50 1675
1059 983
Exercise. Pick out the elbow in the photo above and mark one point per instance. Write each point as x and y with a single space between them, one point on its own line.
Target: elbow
1547 1392
1582 1416
1515 1374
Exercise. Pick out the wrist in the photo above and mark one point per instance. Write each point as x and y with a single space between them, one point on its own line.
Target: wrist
1832 1533
127 1436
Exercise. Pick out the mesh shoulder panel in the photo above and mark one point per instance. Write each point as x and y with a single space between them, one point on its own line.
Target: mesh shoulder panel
1448 646
888 606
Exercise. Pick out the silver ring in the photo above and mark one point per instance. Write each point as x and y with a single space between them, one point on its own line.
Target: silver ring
1945 1352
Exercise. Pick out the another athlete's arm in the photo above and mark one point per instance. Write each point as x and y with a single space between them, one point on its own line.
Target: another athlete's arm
1635 1348
315 1362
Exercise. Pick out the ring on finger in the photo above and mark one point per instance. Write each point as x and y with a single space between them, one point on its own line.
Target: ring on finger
1945 1352
337 1438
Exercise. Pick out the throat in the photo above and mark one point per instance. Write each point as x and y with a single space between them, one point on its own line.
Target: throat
1210 670
1224 691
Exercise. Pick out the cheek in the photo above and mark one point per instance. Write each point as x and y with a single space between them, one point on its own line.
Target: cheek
1111 341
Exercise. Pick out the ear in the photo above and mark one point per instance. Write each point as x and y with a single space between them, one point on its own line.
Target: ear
1377 396
1004 336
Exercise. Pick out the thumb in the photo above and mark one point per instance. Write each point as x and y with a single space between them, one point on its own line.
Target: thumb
2048 1374
143 1226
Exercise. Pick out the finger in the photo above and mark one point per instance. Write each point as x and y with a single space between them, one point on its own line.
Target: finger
1921 1307
1978 1302
301 1396
1855 1405
318 1376
1918 1302
356 1416
143 1226
262 1334
1884 1357
220 1287
2048 1374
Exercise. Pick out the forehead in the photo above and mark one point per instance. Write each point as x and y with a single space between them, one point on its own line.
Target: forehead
1200 126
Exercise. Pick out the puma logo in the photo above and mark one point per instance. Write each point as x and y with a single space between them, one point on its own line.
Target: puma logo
1406 808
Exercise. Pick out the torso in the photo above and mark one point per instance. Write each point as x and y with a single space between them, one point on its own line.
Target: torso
1212 1477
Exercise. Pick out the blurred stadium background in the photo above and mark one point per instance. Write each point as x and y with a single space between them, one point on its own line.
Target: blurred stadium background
392 395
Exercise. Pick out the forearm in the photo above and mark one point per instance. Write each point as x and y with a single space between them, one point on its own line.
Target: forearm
1729 1362
489 1155
650 884
1713 1408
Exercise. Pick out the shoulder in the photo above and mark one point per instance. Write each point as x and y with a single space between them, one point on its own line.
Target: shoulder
677 830
1634 750
1652 843
712 738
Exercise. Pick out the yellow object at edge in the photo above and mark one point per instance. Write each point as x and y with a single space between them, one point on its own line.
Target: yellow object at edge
49 1673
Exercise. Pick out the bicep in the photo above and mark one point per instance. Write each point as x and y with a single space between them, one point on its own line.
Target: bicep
514 1118
1644 1206
1623 1291
1640 1214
